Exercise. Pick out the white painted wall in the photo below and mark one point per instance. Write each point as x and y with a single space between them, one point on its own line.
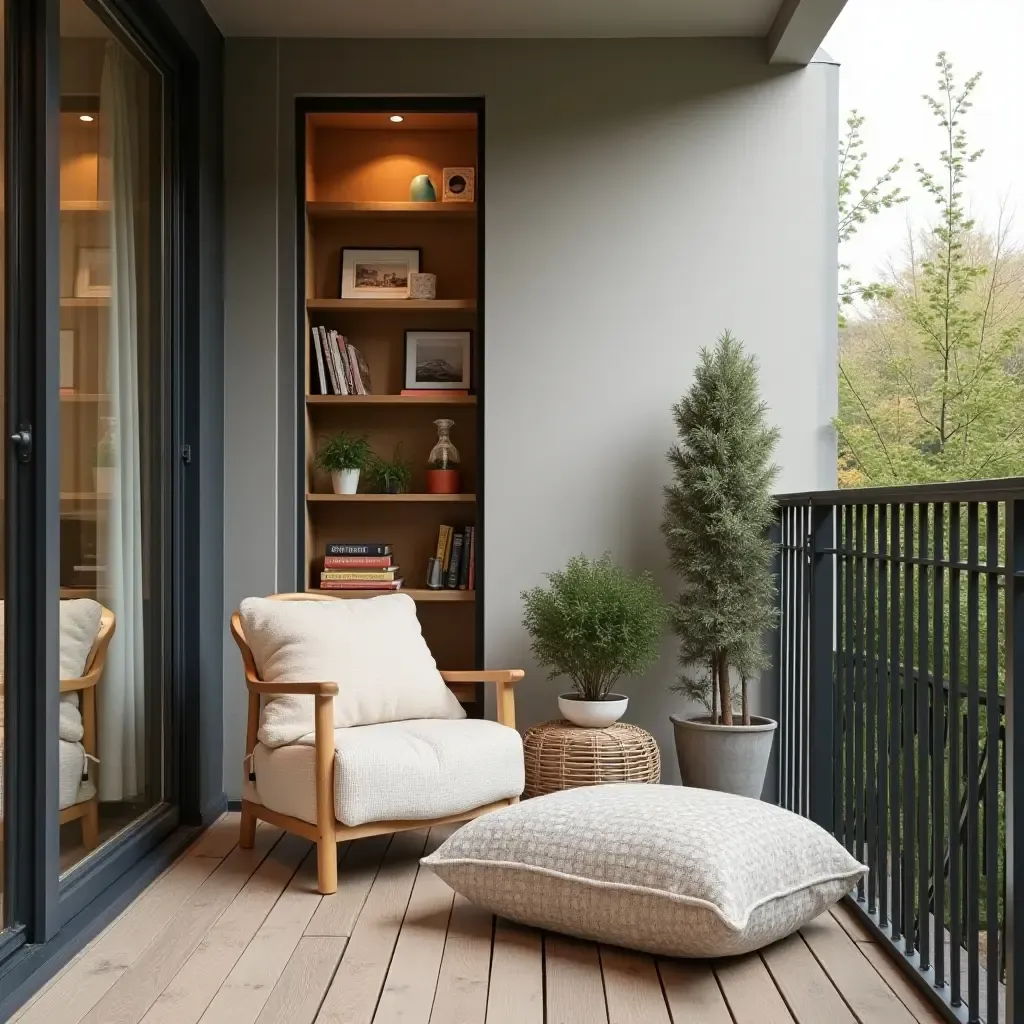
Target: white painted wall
642 195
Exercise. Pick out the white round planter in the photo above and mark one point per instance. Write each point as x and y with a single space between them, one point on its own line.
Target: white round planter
103 477
345 481
593 714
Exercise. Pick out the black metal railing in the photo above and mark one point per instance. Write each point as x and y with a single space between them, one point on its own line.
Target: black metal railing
900 660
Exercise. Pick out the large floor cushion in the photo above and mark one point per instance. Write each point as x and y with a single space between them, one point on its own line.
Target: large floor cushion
665 869
396 771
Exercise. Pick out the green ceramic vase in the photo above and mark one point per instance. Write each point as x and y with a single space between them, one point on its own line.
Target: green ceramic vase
421 189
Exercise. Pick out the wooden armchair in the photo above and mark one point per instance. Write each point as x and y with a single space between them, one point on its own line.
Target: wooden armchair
328 831
85 686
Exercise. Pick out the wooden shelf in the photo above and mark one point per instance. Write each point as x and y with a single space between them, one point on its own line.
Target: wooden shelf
417 594
68 302
81 397
386 305
397 211
85 206
392 498
425 399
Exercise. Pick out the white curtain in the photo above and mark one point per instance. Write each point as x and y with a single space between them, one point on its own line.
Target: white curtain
120 697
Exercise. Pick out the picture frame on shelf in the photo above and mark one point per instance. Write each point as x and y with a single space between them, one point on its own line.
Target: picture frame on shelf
458 185
93 273
438 360
66 374
377 273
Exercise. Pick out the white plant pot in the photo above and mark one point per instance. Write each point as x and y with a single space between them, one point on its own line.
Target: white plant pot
593 714
345 481
103 478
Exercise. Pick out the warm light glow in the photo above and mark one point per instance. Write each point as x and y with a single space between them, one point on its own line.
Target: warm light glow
85 117
397 118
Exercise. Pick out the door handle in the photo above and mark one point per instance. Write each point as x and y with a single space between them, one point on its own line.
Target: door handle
22 441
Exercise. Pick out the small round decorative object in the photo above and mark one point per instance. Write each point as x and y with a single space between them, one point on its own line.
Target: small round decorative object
423 286
562 756
421 189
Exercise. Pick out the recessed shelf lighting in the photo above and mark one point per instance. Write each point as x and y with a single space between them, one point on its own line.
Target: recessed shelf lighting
397 118
85 117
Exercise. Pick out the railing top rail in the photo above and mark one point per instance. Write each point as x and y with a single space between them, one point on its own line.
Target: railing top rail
1004 489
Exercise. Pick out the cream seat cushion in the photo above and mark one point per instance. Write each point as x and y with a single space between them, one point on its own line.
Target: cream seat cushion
395 771
373 648
665 869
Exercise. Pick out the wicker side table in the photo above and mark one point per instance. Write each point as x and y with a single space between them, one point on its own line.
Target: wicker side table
559 755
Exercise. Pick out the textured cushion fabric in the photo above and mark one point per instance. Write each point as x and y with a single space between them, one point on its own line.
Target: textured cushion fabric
665 869
79 624
396 771
373 648
72 786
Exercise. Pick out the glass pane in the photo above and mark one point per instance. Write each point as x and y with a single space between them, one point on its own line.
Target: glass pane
3 458
111 426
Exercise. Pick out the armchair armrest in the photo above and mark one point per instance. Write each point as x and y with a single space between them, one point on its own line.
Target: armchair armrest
81 682
284 689
503 680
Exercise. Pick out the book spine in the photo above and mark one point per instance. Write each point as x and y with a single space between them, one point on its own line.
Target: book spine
471 583
382 576
348 550
452 583
339 362
353 363
319 360
339 340
439 553
467 547
357 562
329 358
358 585
446 557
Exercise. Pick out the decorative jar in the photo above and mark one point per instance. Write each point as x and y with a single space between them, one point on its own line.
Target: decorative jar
421 189
443 462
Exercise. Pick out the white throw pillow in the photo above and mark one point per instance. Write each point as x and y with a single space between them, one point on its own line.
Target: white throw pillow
372 647
79 624
665 869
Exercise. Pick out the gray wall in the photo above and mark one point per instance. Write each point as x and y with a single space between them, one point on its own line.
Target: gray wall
642 195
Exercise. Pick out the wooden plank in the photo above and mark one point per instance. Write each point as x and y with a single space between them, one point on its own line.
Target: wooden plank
867 995
245 992
134 992
809 994
97 969
337 913
575 994
516 992
851 923
751 993
908 993
352 997
461 996
298 993
632 988
692 992
189 993
219 839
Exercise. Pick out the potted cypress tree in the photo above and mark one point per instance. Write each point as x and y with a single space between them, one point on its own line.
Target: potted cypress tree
717 513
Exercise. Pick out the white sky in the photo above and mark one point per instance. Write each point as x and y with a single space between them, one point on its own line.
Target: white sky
887 50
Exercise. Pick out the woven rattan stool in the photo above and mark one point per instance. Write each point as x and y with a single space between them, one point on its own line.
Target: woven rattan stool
562 756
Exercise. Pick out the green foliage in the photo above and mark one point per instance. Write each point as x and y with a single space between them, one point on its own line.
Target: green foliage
390 477
595 622
716 517
344 451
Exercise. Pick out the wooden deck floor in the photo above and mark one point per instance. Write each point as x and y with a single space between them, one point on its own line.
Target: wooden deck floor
229 936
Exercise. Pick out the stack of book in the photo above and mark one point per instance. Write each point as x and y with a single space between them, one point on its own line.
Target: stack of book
454 565
359 567
338 367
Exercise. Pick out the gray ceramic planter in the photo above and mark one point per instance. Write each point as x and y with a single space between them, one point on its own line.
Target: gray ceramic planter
728 758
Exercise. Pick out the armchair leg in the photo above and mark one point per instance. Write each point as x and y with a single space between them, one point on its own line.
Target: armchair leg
327 865
91 825
247 829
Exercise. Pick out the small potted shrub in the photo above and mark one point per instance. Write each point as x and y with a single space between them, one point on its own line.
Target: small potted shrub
343 456
106 460
392 476
594 622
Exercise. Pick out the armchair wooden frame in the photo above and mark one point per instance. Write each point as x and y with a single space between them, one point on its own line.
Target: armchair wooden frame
85 687
328 831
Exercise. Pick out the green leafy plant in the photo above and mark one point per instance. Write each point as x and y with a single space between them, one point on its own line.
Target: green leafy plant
392 476
344 451
716 517
594 623
106 448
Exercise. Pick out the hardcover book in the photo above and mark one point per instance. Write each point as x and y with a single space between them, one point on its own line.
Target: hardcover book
357 562
380 575
374 548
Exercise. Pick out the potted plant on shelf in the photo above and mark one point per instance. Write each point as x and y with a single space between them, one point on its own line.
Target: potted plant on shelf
343 456
594 623
106 459
390 477
717 513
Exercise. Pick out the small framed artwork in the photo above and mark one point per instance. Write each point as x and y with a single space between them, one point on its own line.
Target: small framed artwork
438 360
459 185
92 274
67 362
377 273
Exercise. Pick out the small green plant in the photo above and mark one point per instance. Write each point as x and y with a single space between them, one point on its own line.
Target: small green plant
594 623
106 449
392 476
344 451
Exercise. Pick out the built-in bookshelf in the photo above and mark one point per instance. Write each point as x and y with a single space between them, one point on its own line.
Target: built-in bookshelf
356 195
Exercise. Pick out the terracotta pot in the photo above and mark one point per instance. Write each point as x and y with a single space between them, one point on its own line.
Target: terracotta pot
442 481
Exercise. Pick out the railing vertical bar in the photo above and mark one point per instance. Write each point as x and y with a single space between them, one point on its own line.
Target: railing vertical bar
992 708
882 770
836 676
953 774
895 718
824 769
923 734
849 657
1014 759
871 774
907 711
804 693
785 625
859 830
938 743
971 749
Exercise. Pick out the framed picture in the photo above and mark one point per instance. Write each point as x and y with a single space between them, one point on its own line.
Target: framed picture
67 361
377 273
92 274
459 185
437 360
